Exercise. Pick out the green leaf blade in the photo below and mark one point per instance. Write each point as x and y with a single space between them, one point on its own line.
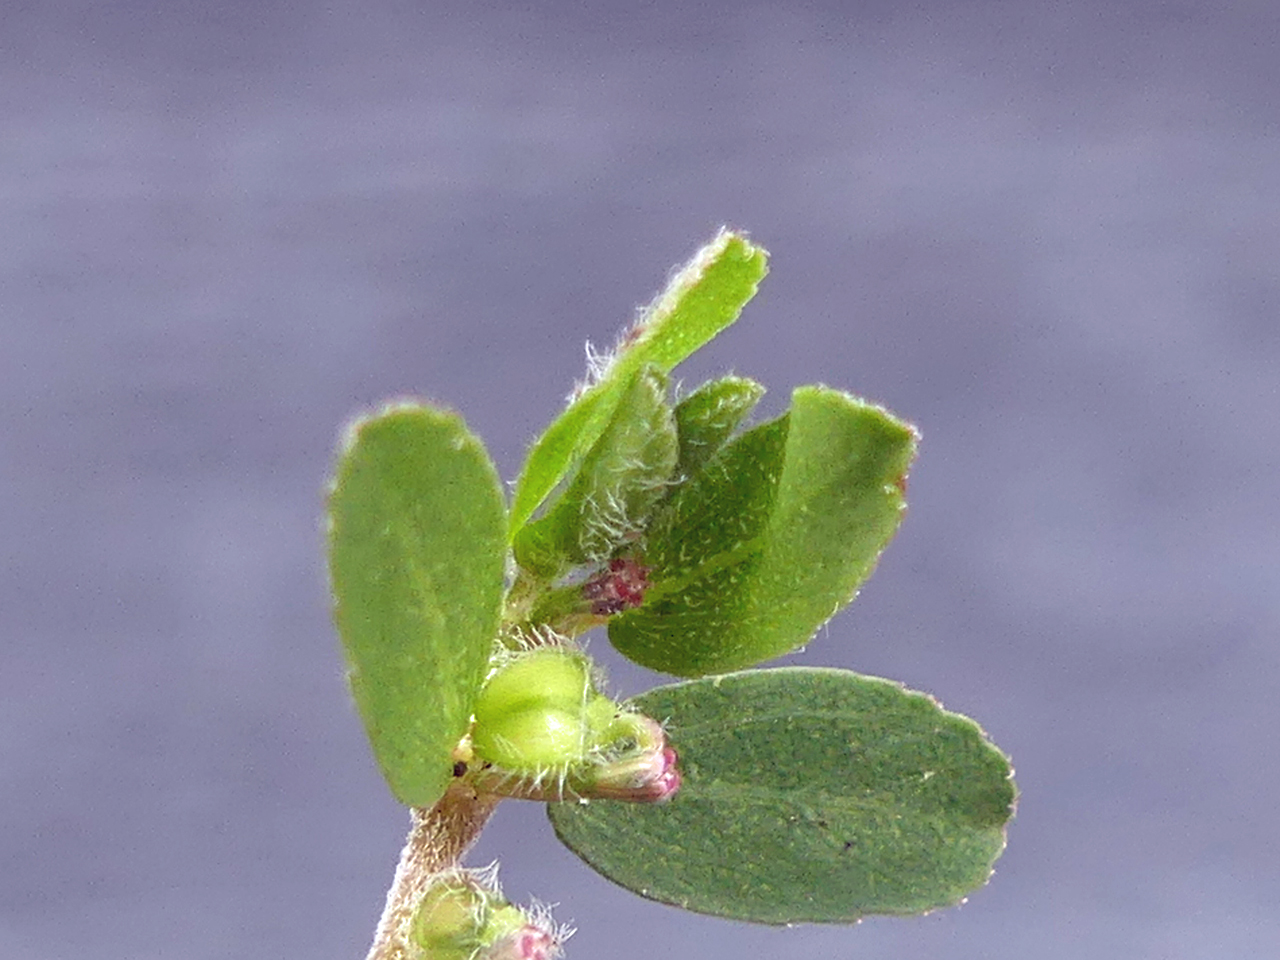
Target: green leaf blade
703 298
809 795
706 418
553 454
417 537
702 550
839 503
756 552
620 480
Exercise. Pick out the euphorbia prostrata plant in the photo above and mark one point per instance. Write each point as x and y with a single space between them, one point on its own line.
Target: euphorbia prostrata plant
705 545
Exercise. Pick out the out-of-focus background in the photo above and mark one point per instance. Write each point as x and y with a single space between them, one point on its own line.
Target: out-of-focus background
1047 232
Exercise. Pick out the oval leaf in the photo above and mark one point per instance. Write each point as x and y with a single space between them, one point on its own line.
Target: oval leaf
702 298
417 537
808 795
771 538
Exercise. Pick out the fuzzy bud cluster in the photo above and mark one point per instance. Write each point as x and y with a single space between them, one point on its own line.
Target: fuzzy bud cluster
464 916
543 731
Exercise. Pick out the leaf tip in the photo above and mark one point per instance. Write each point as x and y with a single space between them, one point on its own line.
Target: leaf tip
727 244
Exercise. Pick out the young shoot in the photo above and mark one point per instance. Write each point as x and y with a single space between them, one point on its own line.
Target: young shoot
705 545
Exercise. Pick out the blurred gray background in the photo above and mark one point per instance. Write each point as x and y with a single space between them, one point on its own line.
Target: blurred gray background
1046 232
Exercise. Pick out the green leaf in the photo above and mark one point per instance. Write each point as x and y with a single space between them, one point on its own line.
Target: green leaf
771 538
706 418
620 480
703 298
808 795
417 538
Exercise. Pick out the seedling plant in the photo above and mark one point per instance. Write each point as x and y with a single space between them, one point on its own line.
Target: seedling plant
705 545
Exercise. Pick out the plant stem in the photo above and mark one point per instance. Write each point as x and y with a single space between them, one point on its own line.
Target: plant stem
437 842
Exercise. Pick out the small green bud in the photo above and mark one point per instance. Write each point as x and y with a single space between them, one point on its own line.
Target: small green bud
450 922
547 734
531 739
534 713
464 916
550 675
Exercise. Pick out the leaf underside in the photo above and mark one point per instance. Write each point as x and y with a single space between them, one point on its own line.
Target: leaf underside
417 536
809 795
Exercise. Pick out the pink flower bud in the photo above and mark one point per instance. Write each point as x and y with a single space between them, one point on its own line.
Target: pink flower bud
530 942
649 775
620 586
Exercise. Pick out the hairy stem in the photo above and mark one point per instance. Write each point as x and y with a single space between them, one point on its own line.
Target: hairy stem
437 841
